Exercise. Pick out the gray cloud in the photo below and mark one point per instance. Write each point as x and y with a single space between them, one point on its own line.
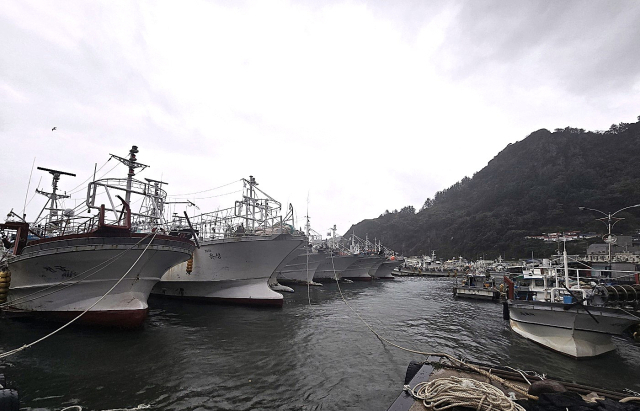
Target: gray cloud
585 47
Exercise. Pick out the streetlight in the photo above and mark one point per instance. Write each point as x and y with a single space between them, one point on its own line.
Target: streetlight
610 222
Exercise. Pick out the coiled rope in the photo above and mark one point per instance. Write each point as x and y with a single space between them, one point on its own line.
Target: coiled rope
448 356
139 407
445 393
24 347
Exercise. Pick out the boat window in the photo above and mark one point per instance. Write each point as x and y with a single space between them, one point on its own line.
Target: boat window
525 283
539 282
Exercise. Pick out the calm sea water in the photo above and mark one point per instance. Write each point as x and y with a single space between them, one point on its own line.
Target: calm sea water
318 356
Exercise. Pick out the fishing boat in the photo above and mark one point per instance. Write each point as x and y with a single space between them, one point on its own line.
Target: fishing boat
384 270
101 266
477 286
367 260
576 320
240 249
302 268
335 262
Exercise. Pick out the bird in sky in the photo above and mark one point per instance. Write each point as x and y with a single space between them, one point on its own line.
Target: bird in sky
55 128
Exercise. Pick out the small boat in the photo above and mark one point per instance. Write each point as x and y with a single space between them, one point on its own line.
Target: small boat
240 249
478 286
577 321
101 266
443 381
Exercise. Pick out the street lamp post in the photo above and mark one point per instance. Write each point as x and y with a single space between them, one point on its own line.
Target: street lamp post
609 220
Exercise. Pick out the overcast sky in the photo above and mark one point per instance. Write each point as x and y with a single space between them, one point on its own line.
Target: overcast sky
347 108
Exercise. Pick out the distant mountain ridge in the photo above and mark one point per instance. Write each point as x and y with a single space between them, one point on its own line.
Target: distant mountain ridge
532 186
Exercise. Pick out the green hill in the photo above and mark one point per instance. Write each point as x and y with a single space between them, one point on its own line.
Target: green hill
533 186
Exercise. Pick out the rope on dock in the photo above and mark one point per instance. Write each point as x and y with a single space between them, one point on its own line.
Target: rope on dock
448 356
139 407
24 347
445 393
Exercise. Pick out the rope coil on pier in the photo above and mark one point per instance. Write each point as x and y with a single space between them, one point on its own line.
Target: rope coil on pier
445 393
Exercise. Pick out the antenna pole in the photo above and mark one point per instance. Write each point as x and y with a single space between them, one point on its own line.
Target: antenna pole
132 164
53 196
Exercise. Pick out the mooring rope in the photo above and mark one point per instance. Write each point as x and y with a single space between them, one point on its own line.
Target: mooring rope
24 347
308 281
108 262
139 407
448 356
444 393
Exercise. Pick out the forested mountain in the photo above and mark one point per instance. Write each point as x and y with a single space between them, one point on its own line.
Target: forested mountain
533 186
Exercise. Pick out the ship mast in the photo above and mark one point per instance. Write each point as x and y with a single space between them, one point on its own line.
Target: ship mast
333 236
132 164
53 197
307 227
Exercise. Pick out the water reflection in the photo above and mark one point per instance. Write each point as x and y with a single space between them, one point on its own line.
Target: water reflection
316 356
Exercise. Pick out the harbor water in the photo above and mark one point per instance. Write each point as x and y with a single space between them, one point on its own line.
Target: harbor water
313 354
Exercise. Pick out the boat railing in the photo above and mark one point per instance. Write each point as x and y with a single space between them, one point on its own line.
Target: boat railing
568 296
225 223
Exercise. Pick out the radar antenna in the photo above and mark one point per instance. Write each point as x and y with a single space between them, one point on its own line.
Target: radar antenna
52 202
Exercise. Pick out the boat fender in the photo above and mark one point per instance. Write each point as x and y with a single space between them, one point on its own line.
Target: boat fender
545 387
412 370
9 400
5 282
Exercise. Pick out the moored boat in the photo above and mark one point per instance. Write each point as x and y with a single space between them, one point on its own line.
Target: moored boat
577 321
99 267
477 286
230 270
384 270
359 270
241 247
301 269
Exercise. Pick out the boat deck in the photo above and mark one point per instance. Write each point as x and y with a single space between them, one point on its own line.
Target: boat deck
436 367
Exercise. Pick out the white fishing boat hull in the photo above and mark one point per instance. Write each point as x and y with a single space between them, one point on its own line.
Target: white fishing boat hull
273 279
301 269
230 270
71 273
383 272
331 268
572 332
359 270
